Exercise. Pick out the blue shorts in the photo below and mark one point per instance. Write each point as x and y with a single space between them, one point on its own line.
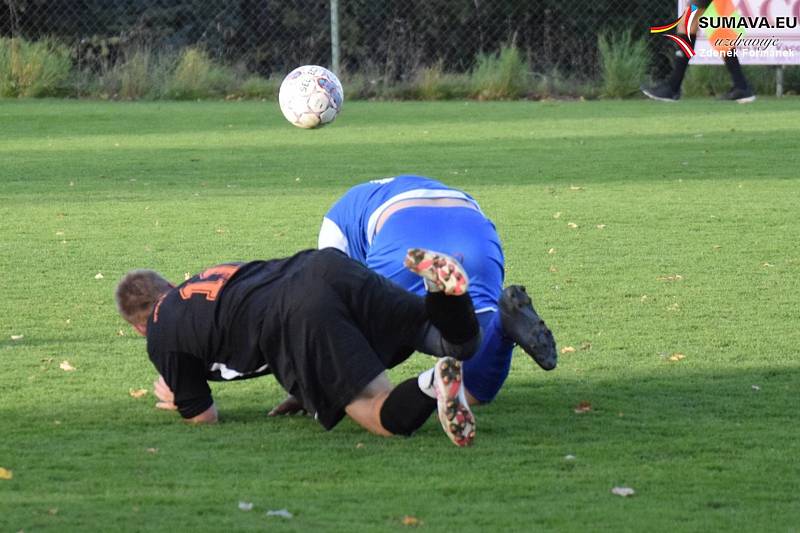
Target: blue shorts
461 232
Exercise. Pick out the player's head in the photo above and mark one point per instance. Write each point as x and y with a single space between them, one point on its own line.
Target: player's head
137 294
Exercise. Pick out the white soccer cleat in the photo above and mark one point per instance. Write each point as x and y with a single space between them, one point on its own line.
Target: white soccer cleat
441 272
455 415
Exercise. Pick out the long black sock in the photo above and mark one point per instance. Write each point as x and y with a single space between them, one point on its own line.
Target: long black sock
406 408
679 68
735 69
453 316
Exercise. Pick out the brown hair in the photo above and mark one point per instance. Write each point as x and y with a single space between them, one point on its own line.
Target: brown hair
137 294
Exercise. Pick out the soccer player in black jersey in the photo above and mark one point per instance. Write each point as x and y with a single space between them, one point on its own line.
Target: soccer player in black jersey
324 325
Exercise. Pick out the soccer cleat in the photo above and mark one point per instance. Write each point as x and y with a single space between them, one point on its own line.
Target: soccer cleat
741 96
454 412
441 272
523 326
662 93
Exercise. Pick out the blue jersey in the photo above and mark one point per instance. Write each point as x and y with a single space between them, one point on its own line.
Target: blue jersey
350 224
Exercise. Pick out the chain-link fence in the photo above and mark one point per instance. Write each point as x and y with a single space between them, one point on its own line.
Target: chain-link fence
393 38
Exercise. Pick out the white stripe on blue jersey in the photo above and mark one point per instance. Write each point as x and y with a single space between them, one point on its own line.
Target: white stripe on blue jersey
350 223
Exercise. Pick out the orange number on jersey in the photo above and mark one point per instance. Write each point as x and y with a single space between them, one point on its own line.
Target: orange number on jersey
209 287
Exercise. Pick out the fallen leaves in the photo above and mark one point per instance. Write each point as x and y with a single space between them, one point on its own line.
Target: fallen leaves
557 215
137 393
245 506
755 388
551 251
99 275
583 407
572 225
66 366
412 521
674 358
623 491
567 349
6 474
283 513
17 337
670 277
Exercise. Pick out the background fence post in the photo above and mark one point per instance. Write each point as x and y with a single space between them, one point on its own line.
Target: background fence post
335 37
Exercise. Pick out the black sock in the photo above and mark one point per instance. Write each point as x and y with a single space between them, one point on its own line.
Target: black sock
406 408
679 69
453 316
735 69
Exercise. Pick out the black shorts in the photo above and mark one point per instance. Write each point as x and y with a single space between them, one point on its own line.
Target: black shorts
341 326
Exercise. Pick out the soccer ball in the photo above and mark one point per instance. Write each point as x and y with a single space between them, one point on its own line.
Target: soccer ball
311 96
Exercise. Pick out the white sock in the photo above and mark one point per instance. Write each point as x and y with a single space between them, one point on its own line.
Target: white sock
425 382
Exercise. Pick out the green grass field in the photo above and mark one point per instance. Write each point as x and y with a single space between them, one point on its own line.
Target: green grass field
645 232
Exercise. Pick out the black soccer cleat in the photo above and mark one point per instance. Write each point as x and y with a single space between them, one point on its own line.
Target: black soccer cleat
523 326
662 93
741 96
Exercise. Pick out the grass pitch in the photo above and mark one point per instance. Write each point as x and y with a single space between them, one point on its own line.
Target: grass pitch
660 242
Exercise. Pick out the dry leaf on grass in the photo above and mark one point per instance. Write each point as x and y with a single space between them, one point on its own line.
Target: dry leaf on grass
359 445
283 513
6 474
557 214
583 407
623 491
99 275
553 269
551 251
671 277
137 393
152 450
572 225
755 387
409 520
246 506
66 367
17 337
567 349
574 188
676 357
601 226
186 276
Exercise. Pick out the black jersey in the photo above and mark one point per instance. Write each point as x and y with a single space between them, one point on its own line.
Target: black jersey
324 325
209 328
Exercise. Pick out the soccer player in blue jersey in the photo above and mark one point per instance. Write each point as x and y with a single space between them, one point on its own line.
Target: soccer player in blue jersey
377 222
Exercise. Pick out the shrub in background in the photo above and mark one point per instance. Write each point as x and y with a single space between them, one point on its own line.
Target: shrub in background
500 76
258 87
140 73
35 69
197 76
623 64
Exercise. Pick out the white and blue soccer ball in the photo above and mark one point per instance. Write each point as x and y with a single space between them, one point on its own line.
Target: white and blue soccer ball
311 96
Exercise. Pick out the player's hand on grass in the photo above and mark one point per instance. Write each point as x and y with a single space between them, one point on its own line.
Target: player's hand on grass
164 395
289 406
